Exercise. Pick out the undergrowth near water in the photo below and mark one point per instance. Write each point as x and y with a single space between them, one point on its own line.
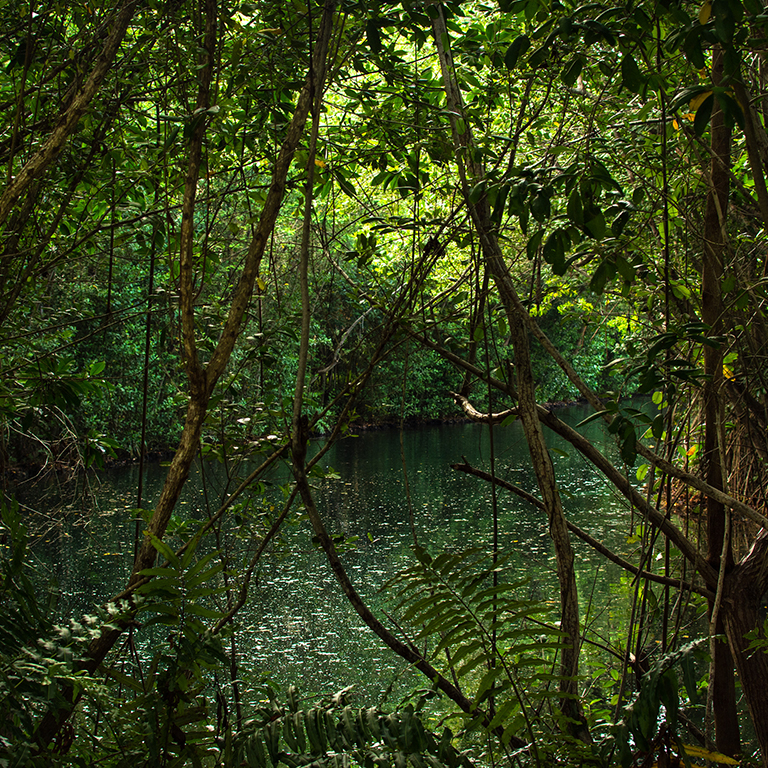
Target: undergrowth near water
171 702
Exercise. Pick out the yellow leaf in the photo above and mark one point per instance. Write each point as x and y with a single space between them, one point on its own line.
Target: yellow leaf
261 284
319 163
697 101
705 12
705 754
676 125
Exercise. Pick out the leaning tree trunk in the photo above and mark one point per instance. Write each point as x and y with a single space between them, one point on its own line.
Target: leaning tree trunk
203 379
69 118
299 442
472 173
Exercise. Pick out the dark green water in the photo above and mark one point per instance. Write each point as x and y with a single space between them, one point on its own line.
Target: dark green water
297 626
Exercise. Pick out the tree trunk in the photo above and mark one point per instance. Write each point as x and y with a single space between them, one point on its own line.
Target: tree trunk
36 166
745 587
472 173
723 687
743 619
203 380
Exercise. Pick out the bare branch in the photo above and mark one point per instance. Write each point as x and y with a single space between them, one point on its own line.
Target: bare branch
581 534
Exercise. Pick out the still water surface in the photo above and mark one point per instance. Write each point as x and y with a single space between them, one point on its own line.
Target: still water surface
297 626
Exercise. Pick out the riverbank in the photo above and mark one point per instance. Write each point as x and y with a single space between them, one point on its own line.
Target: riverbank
69 463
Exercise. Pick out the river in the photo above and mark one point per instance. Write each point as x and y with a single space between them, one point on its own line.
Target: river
297 627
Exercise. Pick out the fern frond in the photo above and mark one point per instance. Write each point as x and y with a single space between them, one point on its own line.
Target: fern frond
481 627
334 734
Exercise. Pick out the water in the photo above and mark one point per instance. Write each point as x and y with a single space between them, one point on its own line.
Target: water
297 627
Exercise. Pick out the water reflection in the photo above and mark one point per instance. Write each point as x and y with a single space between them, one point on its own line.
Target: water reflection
297 626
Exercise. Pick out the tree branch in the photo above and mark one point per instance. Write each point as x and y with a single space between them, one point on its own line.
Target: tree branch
583 535
39 162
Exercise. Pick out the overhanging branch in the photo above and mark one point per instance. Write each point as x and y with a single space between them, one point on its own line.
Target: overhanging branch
579 533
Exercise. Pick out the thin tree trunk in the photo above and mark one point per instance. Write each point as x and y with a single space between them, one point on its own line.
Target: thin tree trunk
68 120
299 440
203 380
406 651
578 532
723 686
745 587
472 173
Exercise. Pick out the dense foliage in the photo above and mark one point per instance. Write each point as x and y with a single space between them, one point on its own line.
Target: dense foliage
226 227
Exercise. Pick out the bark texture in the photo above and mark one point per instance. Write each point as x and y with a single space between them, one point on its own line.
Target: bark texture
743 619
472 173
724 690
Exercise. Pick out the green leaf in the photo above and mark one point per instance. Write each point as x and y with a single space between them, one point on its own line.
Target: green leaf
538 57
731 109
625 269
553 251
165 587
540 205
628 445
596 225
532 247
725 23
575 210
205 576
205 613
188 554
169 610
373 35
488 679
508 708
572 71
348 188
477 192
703 114
731 62
523 218
200 564
167 572
517 48
500 204
631 77
619 222
165 550
703 754
123 679
687 95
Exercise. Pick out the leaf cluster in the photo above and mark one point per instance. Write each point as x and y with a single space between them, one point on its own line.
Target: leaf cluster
335 734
